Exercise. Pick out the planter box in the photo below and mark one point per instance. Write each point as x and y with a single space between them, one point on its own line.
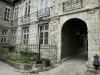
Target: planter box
20 66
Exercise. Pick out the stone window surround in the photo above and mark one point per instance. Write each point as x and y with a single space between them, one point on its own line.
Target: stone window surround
16 10
4 36
43 37
13 36
25 35
7 15
27 9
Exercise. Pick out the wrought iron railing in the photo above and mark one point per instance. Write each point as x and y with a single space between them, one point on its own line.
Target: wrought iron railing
25 18
51 50
43 12
72 5
21 20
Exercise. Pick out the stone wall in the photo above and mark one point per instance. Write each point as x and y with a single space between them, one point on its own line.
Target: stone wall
89 13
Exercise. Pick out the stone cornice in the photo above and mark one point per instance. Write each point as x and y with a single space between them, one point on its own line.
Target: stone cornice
83 10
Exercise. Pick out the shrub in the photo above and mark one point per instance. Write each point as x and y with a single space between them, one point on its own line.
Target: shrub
46 62
28 57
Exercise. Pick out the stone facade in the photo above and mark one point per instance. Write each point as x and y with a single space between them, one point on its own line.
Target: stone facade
5 24
56 16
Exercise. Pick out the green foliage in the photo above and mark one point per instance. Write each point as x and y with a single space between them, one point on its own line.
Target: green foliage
25 57
28 56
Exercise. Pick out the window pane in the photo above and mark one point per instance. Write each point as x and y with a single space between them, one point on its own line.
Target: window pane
26 41
41 41
46 41
24 36
27 36
41 35
46 27
8 16
28 10
46 34
2 40
8 10
23 41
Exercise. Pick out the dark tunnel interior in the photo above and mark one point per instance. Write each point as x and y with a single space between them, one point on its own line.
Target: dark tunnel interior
74 38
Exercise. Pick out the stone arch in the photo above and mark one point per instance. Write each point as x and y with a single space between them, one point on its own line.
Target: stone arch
74 37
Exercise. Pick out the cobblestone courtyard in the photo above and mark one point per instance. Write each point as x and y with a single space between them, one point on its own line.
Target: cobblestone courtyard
73 66
5 70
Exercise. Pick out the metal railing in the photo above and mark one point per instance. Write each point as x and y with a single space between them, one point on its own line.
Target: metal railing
49 51
27 18
43 12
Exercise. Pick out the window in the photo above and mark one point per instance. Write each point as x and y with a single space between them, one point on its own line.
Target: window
14 36
25 32
7 14
27 9
3 39
44 34
16 13
4 36
4 32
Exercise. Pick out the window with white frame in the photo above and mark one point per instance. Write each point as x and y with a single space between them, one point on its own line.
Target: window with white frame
4 36
16 13
14 36
44 34
25 32
7 14
27 9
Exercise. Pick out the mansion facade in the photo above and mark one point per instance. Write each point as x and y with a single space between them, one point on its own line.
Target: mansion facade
62 28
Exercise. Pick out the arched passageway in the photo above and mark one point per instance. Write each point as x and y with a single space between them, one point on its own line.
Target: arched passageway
74 38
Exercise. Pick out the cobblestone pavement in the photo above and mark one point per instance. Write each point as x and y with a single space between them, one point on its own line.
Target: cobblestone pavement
5 70
73 66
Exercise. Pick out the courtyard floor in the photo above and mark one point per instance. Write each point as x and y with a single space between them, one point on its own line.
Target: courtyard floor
6 70
73 66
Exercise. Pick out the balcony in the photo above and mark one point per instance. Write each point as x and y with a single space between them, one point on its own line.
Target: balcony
72 5
43 12
15 22
4 23
25 18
